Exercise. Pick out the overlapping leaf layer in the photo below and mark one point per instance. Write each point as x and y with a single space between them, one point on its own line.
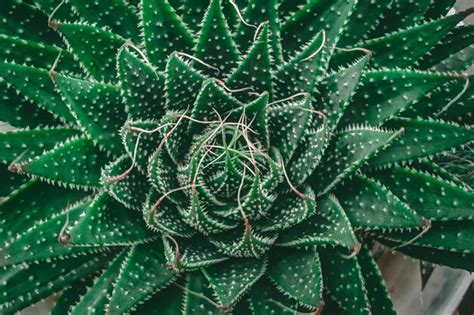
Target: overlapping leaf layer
204 157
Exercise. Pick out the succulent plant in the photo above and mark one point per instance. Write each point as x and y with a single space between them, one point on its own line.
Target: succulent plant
203 157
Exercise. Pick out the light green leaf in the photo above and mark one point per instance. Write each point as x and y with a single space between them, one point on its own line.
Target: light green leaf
25 284
95 48
369 205
421 138
115 15
161 24
142 274
343 279
125 183
22 145
107 222
384 93
232 279
431 197
31 204
98 109
36 86
379 298
96 296
348 149
329 225
76 162
297 272
143 87
215 41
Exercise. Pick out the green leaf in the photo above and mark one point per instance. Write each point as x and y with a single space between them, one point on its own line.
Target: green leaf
107 222
437 171
45 239
331 306
439 8
379 298
254 70
297 273
329 225
333 93
142 274
308 154
288 210
167 302
232 279
115 15
10 182
287 124
196 305
127 187
265 299
389 92
31 204
26 144
198 217
302 70
256 12
96 297
94 47
162 175
194 253
244 242
399 15
19 112
431 197
453 236
211 99
165 217
141 145
25 284
348 149
183 84
343 279
403 48
435 104
255 112
24 20
36 86
364 19
34 54
98 108
76 163
193 12
215 41
257 201
71 295
458 62
458 39
369 205
143 87
161 24
421 138
314 16
439 256
64 11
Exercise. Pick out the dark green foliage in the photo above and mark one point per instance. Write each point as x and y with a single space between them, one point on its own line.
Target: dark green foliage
212 157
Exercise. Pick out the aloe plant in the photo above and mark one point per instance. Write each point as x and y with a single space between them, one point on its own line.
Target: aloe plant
206 157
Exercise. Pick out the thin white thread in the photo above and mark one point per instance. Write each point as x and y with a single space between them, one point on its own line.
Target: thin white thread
240 15
454 100
319 49
198 60
289 98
